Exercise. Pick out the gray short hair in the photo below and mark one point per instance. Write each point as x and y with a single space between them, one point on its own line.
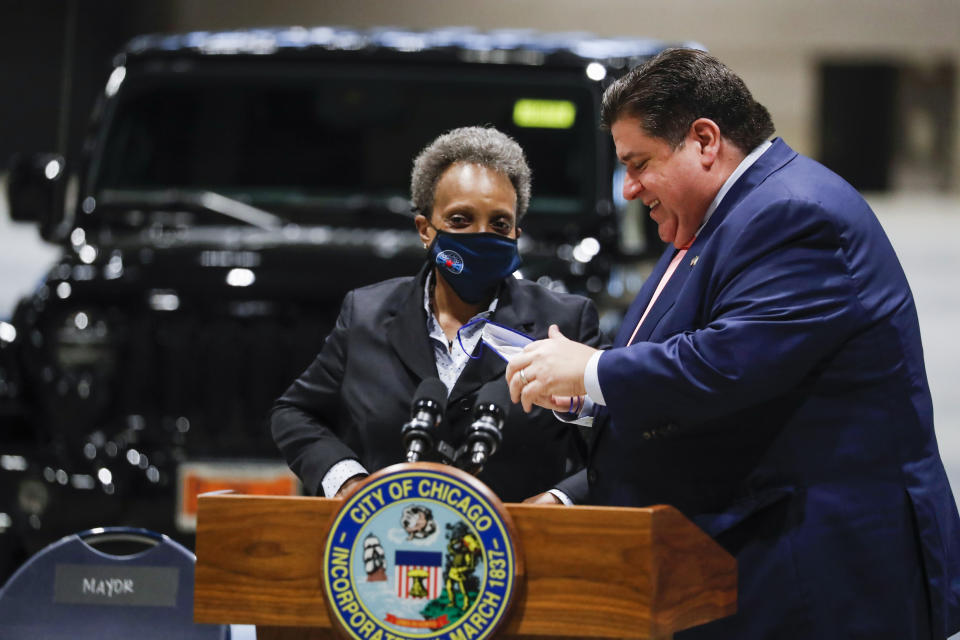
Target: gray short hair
484 146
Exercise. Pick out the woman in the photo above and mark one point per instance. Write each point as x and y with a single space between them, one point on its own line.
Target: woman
341 419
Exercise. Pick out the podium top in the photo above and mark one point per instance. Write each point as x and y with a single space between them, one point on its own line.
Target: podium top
601 572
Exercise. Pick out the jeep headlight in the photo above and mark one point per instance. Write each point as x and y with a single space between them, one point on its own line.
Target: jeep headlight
8 333
84 349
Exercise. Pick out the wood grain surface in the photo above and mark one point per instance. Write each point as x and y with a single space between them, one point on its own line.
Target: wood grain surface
591 572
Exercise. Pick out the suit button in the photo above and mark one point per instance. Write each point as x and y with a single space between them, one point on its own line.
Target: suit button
464 405
592 476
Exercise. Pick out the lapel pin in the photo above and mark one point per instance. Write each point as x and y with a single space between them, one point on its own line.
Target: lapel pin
693 260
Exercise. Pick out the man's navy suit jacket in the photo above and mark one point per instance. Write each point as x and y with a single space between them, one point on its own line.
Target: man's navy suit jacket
776 395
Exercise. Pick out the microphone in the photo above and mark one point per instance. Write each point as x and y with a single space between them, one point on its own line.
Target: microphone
429 404
484 434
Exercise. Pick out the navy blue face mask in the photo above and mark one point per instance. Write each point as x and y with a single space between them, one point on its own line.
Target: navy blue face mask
473 264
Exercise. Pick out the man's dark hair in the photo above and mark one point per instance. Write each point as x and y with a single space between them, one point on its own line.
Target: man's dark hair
677 86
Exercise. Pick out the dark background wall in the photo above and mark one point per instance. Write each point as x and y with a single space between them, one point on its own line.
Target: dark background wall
54 59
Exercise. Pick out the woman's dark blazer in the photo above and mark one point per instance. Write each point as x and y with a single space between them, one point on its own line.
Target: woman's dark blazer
352 401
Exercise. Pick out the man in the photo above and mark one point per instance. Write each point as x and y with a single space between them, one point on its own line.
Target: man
768 380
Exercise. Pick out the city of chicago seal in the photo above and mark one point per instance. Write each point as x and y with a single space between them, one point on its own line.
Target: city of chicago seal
420 551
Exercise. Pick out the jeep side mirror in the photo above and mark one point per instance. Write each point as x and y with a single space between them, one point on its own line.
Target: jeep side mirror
35 189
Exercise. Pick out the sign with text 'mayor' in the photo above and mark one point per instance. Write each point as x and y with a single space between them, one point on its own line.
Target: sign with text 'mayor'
420 551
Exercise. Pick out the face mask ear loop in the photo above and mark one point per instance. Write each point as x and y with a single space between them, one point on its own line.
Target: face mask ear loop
436 235
460 339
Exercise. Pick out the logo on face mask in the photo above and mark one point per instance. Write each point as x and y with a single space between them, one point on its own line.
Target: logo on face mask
450 260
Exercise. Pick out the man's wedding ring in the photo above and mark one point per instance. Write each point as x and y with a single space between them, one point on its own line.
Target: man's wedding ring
523 377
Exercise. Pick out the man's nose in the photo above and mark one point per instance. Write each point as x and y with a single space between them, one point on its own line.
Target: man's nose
631 188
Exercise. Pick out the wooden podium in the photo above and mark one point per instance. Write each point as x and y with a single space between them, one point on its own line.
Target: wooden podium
597 572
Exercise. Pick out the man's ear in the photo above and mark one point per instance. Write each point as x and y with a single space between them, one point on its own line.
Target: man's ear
705 133
423 229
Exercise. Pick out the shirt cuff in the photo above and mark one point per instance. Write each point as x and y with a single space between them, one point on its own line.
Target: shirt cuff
561 496
583 417
340 473
591 379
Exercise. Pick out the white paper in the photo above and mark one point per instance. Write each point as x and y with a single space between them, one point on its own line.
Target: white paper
505 342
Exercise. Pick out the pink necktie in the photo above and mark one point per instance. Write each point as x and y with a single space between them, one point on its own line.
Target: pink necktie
663 283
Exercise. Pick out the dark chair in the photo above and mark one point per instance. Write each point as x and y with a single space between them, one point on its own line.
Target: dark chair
80 587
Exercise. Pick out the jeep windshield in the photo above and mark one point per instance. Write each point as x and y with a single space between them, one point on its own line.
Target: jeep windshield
320 143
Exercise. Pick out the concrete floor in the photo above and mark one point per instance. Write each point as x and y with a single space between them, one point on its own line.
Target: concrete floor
924 231
24 258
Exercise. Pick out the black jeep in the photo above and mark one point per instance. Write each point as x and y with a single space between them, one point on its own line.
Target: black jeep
233 187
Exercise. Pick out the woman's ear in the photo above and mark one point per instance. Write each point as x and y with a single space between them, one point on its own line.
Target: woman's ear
424 229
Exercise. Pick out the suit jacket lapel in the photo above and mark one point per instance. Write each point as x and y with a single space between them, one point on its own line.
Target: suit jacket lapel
407 330
772 159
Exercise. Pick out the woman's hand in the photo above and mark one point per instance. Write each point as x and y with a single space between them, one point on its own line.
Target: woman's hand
347 487
543 498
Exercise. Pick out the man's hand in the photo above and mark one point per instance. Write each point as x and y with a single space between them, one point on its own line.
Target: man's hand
543 498
551 368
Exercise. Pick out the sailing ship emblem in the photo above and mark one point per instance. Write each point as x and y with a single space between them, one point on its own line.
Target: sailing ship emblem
374 559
